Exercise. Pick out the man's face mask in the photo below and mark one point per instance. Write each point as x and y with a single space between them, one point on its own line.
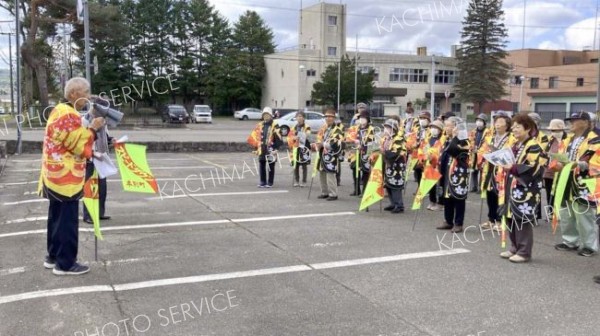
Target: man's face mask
423 122
435 132
479 123
363 121
557 135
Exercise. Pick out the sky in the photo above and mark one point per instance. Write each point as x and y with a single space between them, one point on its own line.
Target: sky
404 25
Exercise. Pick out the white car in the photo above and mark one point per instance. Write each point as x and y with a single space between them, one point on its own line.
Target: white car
248 113
313 119
202 113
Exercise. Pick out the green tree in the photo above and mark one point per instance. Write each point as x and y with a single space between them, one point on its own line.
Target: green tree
324 91
221 60
482 72
252 39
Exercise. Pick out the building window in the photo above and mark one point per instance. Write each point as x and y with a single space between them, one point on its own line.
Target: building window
445 77
580 81
308 103
311 73
553 82
367 69
535 83
517 80
455 107
409 75
331 51
332 20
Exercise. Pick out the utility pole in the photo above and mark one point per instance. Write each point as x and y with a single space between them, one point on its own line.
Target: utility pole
18 61
355 72
524 12
86 29
432 87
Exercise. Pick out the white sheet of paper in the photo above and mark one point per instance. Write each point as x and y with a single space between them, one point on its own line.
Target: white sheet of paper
124 138
105 167
501 157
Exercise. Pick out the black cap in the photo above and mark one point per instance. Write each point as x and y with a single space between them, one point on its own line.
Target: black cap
448 115
581 115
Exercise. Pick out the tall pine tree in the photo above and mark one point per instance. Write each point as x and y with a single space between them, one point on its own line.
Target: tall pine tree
482 72
253 39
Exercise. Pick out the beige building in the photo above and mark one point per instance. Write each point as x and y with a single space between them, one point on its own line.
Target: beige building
399 78
553 83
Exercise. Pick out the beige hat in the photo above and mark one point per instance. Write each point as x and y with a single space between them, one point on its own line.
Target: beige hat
438 124
556 125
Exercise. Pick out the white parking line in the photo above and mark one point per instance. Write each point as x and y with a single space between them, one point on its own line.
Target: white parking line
193 223
12 271
220 194
151 168
41 200
224 276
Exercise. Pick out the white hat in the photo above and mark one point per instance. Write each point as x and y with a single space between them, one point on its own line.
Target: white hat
268 111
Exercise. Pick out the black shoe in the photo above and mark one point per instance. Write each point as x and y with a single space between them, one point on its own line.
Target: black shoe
586 252
332 198
323 196
397 210
353 193
104 217
89 221
76 269
565 247
49 263
597 279
389 208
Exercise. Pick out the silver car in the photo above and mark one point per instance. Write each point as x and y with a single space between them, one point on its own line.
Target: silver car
313 119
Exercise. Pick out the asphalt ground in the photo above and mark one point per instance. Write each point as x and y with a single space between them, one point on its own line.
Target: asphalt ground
227 258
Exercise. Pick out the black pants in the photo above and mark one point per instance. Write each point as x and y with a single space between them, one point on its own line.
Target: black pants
492 203
89 170
418 174
433 195
521 237
454 211
303 167
63 233
362 180
338 175
474 180
548 186
263 172
395 196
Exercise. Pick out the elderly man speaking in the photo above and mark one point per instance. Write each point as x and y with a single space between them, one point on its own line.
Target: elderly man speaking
67 144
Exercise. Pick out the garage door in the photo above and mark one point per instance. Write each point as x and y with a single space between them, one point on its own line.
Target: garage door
589 107
549 111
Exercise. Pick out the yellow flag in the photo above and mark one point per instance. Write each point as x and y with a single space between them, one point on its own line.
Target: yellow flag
91 201
133 166
316 165
374 191
428 181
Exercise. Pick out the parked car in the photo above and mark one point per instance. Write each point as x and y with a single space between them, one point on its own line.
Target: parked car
313 119
202 113
2 110
248 113
175 114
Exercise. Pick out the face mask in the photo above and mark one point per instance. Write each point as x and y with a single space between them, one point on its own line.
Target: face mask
479 123
423 122
557 135
409 115
435 132
363 121
387 131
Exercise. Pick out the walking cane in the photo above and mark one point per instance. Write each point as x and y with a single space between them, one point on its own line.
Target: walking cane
415 220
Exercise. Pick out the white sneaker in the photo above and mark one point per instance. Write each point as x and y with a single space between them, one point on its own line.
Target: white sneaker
506 255
296 184
436 207
518 259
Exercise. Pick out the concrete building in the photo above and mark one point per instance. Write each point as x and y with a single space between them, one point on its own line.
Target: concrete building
399 78
553 83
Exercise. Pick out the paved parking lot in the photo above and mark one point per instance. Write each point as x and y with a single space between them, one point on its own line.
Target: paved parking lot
217 256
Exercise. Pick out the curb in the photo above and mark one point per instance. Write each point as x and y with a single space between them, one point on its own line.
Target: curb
35 147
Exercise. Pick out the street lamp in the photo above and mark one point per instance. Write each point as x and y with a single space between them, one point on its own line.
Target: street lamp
522 78
301 69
